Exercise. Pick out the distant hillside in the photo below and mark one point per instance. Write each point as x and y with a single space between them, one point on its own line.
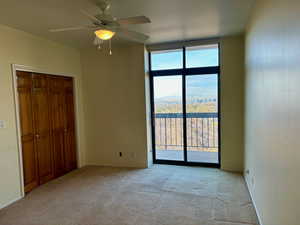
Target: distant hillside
173 104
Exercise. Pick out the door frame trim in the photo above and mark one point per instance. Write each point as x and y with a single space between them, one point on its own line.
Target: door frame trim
18 67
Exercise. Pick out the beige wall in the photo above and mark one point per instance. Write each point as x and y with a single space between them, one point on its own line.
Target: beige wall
21 48
114 92
232 101
272 111
116 106
148 108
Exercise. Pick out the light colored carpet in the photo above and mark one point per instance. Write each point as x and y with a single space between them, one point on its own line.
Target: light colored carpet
161 195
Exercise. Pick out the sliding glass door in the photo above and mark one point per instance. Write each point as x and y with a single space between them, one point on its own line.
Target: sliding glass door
185 105
202 118
168 117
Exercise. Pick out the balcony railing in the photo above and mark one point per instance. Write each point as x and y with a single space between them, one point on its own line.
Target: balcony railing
202 131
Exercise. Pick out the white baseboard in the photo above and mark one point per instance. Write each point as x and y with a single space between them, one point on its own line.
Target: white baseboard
10 202
253 202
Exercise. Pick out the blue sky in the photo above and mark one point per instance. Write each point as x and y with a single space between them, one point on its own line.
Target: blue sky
204 86
194 58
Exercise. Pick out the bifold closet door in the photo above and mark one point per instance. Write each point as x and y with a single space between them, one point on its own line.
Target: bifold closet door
29 154
46 109
42 127
70 143
57 112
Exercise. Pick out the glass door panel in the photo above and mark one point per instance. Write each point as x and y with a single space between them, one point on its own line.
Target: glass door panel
202 118
168 117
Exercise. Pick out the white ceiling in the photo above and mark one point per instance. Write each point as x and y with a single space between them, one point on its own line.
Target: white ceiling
172 20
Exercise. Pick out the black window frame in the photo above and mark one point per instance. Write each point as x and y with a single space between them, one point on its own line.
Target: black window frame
185 72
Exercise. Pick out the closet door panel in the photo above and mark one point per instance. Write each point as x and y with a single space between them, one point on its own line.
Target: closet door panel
44 158
70 143
71 162
25 105
29 156
58 151
57 124
42 128
29 164
69 107
41 114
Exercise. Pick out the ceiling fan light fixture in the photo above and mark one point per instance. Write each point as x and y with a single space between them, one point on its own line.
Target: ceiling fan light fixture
104 34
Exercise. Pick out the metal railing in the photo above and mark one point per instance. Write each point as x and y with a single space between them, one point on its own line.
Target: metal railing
202 131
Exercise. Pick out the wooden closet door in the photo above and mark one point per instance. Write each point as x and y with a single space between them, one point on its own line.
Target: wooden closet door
29 154
57 103
70 143
42 127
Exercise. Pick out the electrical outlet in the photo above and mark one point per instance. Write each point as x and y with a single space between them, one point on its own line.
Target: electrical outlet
2 124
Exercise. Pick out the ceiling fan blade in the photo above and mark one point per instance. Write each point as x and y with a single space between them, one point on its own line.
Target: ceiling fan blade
134 20
72 28
133 35
91 17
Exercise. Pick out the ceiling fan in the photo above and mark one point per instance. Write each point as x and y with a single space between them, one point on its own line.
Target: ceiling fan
105 26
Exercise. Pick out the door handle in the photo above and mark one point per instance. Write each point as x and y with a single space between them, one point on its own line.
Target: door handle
37 136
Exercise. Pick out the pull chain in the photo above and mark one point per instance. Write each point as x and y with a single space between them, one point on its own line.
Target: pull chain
110 52
99 42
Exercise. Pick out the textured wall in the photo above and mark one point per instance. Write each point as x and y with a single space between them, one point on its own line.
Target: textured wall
272 110
114 93
114 88
232 101
21 48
